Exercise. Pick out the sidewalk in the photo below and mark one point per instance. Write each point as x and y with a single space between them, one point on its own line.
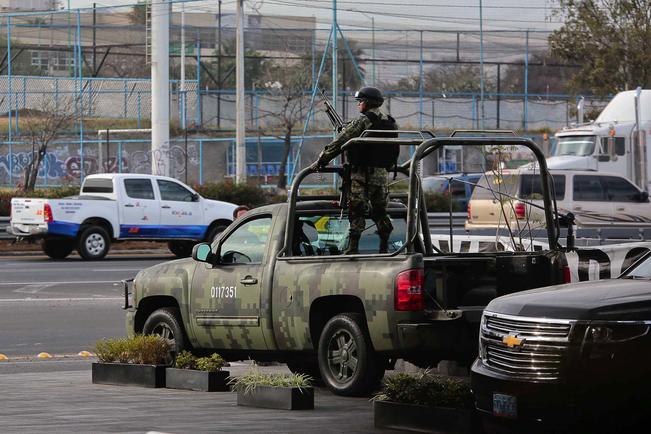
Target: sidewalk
67 401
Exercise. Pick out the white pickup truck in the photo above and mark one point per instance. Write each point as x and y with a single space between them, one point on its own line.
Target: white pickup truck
120 207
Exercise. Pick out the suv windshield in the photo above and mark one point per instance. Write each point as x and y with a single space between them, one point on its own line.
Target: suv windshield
575 145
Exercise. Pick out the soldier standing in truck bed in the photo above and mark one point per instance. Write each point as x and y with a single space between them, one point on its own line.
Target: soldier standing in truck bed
368 168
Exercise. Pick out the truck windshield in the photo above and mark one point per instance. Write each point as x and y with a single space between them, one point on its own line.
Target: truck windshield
575 145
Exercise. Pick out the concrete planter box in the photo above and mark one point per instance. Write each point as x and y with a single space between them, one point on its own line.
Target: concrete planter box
129 374
282 398
202 381
420 418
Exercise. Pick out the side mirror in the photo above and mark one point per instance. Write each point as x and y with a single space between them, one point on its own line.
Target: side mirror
203 253
195 197
643 196
602 158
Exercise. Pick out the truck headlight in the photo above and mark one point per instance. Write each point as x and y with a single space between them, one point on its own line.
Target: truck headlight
482 347
602 339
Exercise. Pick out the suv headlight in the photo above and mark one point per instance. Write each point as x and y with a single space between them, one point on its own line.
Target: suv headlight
601 339
482 347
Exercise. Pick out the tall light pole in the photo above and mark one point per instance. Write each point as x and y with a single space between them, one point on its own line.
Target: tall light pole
481 62
160 87
240 133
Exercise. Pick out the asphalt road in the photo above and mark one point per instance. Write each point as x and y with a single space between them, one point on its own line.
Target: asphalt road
63 307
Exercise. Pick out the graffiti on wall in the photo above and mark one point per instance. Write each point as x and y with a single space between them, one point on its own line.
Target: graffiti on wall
56 169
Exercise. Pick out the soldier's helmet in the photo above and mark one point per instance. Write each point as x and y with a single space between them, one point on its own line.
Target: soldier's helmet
370 95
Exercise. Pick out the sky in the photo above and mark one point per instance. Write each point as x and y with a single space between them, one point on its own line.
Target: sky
413 14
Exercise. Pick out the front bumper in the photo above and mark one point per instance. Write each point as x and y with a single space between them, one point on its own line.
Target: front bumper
579 401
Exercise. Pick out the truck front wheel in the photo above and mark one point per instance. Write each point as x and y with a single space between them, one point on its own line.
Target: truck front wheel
347 361
166 323
94 243
57 248
181 249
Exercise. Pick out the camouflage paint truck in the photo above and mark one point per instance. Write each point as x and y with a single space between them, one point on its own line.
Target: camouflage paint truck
276 286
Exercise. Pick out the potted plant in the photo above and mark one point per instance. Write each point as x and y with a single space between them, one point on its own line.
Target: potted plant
197 373
279 391
425 403
138 360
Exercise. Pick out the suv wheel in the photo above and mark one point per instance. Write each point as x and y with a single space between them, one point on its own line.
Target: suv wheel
347 361
182 249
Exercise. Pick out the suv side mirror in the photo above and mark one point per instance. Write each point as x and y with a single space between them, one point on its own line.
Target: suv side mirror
643 196
203 253
195 197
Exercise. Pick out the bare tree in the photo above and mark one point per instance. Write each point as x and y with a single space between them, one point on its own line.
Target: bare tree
40 128
288 81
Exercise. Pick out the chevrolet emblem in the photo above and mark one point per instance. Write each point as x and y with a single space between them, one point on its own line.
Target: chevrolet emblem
512 341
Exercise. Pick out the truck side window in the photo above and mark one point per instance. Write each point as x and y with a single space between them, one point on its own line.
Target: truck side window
620 145
248 243
139 188
172 191
620 190
588 187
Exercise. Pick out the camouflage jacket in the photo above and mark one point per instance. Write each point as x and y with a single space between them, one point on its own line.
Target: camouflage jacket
354 129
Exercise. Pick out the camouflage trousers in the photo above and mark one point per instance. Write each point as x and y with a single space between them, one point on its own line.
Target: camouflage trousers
368 187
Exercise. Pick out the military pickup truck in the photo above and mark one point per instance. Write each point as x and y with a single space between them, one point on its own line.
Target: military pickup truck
276 286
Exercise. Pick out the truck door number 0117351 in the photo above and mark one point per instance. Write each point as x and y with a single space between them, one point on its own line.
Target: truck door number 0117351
223 292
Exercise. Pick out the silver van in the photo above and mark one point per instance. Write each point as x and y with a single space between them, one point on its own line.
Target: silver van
597 199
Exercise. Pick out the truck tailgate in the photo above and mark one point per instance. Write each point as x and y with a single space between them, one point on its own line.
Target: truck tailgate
27 211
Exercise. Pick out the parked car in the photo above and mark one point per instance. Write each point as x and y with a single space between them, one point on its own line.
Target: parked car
118 207
460 185
574 357
595 199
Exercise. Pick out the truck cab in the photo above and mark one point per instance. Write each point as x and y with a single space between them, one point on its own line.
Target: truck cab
609 143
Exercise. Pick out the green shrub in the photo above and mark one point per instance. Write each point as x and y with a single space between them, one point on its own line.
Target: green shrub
251 196
426 389
254 378
213 363
185 360
139 350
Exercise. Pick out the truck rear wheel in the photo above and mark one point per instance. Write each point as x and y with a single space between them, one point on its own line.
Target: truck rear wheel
166 323
347 361
182 249
57 248
94 243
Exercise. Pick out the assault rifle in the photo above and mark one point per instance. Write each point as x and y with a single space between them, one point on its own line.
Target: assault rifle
336 120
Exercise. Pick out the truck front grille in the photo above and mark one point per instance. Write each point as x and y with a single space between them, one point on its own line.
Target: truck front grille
529 348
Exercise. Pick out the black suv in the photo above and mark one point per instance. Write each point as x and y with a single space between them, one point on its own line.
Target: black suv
574 357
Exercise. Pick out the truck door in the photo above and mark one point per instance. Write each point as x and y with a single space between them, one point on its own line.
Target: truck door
590 202
225 302
630 207
180 212
139 212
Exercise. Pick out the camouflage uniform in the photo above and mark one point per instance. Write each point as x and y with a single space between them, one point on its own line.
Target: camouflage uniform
368 185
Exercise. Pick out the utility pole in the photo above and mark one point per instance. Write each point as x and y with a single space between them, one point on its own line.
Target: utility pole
182 95
94 40
334 54
160 92
240 133
219 64
481 62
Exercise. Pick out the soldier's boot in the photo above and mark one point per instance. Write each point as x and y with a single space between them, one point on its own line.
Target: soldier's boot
384 244
353 246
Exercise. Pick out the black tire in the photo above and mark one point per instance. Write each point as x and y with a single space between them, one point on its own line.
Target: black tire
309 368
212 233
181 249
166 322
347 361
94 243
57 248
